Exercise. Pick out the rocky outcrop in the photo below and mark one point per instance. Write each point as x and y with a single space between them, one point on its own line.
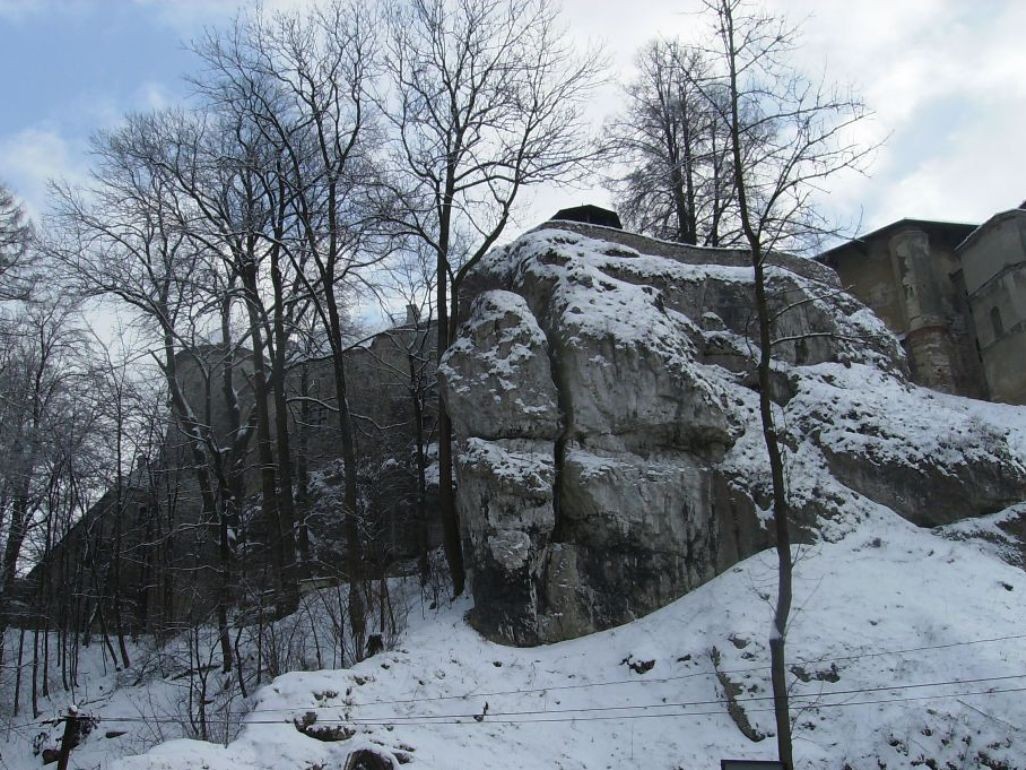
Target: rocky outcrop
932 458
608 451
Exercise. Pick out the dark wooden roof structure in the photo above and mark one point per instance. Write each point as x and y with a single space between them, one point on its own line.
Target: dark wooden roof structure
590 215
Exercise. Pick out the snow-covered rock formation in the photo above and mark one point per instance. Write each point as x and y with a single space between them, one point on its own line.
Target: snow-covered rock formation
609 455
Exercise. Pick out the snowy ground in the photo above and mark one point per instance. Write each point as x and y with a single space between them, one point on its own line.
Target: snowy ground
171 690
912 645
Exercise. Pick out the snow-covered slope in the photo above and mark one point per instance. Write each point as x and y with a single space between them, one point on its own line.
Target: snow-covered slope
911 645
907 646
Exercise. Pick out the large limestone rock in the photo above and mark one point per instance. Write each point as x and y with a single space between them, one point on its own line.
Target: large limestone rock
932 458
608 451
503 352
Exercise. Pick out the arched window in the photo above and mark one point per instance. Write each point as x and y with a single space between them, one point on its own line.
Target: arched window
996 323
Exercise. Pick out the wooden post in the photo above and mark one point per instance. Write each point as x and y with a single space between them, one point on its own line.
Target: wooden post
69 738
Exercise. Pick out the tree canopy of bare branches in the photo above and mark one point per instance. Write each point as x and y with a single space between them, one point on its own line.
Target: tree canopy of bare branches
484 98
15 240
678 182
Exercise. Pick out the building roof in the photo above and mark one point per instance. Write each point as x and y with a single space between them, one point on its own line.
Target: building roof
956 232
591 215
977 232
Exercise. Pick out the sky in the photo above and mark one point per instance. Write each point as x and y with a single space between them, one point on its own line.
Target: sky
944 79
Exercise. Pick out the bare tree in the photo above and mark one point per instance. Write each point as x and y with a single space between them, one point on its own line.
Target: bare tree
679 179
299 82
234 211
412 280
804 137
125 241
15 240
38 406
485 98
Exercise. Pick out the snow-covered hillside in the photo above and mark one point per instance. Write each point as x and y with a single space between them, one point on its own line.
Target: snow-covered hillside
907 649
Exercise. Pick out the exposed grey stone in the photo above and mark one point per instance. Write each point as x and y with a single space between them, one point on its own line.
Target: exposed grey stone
930 493
502 352
609 455
508 484
588 430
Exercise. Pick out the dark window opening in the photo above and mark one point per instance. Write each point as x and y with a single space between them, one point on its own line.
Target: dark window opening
996 323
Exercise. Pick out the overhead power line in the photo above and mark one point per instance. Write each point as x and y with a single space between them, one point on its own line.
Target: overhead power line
498 716
648 680
543 717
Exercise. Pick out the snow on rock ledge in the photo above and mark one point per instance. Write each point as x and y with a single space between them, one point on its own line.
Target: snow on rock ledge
608 451
501 351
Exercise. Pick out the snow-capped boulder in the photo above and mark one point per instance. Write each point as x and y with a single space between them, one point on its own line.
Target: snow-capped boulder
501 351
927 456
609 454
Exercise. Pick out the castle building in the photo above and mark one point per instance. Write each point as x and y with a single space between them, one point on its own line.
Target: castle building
994 265
954 294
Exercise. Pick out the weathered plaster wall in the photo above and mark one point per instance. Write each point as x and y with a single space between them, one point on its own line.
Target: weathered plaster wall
909 275
994 261
171 546
868 273
999 243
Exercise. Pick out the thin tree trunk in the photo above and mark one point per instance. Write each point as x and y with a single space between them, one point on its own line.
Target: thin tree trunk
302 466
119 628
357 611
238 664
190 429
46 656
286 501
265 453
17 674
35 673
423 543
446 497
781 513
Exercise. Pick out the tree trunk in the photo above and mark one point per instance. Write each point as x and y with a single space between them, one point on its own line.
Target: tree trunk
190 429
423 541
17 673
357 612
286 501
302 465
781 516
35 673
781 512
447 503
265 455
446 498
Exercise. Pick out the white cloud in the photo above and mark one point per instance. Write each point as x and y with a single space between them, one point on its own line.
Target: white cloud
153 95
944 78
31 158
22 10
187 16
976 172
